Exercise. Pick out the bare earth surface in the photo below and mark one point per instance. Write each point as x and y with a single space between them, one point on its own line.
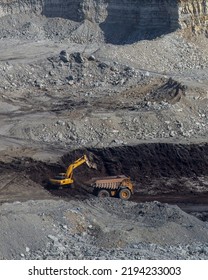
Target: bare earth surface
138 108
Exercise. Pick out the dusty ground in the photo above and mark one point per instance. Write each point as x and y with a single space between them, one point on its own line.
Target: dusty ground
87 229
138 109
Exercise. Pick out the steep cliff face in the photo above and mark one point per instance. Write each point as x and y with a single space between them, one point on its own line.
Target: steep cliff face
121 20
139 19
193 15
8 7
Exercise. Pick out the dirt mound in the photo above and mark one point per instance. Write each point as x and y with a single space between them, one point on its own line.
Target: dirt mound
159 171
156 220
155 168
17 181
100 229
152 93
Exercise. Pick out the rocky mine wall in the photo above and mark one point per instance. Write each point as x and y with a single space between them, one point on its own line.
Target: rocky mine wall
120 18
193 14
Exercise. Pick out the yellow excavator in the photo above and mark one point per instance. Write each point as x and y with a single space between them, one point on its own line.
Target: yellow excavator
114 186
64 179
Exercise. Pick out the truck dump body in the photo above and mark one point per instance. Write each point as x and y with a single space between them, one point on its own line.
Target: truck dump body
119 185
110 182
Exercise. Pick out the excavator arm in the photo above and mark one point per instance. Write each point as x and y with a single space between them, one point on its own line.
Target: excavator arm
67 178
80 161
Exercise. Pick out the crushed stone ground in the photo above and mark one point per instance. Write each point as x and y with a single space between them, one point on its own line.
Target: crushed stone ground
87 230
138 106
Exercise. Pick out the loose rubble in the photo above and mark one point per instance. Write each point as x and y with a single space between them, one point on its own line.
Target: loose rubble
88 78
80 230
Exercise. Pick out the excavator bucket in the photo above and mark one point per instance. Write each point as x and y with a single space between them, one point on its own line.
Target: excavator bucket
90 164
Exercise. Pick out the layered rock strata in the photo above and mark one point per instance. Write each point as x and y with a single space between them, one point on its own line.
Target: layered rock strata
121 20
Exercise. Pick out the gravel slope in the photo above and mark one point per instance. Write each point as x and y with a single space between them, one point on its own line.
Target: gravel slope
100 229
139 106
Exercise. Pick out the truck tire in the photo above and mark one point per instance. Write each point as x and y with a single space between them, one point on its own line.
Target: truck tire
124 194
103 193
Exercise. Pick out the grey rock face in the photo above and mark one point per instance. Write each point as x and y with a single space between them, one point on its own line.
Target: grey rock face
64 56
120 21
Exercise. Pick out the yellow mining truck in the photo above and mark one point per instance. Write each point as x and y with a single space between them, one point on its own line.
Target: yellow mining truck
64 179
115 186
